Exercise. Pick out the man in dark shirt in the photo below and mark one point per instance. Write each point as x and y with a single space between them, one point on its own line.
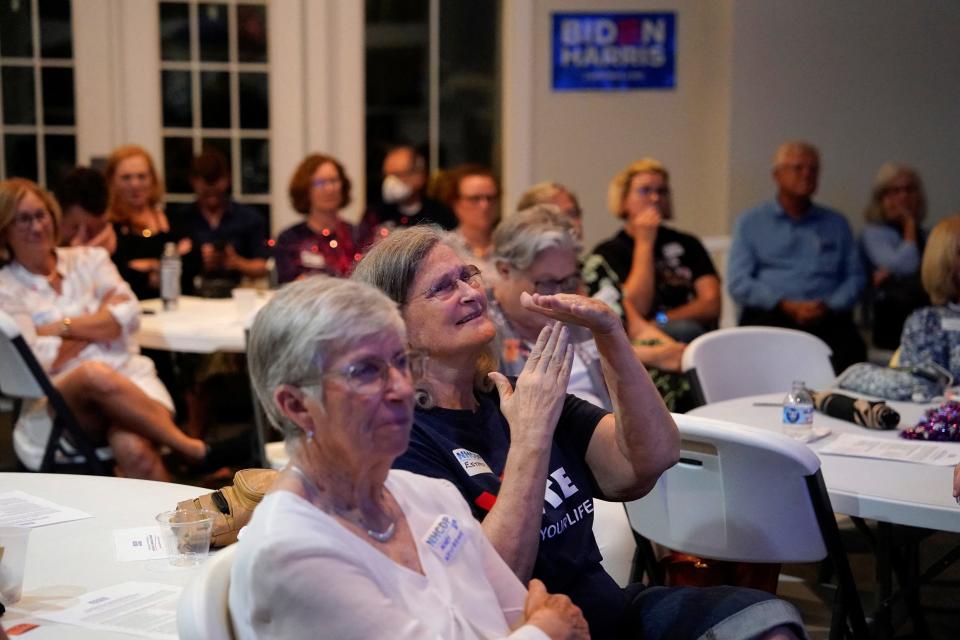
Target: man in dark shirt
229 240
665 275
405 202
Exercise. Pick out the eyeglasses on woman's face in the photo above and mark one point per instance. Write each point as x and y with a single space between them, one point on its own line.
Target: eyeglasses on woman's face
550 286
24 220
370 375
446 286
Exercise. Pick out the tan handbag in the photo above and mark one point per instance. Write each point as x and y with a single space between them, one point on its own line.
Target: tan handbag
233 504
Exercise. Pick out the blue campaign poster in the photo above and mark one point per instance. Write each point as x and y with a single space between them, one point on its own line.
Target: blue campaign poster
614 51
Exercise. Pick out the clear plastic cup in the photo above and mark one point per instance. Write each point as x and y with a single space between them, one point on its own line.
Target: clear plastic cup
13 558
186 535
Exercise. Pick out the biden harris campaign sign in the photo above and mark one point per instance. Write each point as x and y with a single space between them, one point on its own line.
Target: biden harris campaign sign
614 51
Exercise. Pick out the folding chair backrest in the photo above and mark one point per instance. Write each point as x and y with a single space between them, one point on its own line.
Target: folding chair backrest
744 361
203 609
16 378
738 493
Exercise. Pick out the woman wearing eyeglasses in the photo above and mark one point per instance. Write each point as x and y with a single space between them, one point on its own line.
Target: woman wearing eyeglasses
323 242
526 456
665 276
892 242
472 192
342 546
78 316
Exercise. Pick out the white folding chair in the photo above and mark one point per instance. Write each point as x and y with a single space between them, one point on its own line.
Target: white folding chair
203 611
744 361
747 495
22 377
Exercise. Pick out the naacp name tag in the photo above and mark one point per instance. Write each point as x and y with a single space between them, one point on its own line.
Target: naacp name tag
445 538
950 324
471 462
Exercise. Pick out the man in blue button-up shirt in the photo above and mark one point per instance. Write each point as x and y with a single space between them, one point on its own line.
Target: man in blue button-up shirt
795 264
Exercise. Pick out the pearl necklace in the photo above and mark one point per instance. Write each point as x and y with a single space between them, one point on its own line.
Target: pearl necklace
379 536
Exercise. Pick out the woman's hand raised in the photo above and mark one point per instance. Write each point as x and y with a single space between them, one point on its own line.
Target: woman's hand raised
571 308
533 408
554 614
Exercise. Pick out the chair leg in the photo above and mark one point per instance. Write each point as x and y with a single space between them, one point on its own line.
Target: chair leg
645 563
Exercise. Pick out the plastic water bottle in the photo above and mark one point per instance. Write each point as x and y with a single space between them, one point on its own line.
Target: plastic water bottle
798 412
170 276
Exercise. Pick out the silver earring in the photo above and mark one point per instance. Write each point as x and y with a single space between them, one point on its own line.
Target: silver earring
309 436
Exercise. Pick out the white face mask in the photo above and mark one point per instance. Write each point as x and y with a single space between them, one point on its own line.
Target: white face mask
395 190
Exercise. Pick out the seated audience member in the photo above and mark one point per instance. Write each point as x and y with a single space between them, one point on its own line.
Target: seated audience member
78 317
323 242
666 276
501 442
473 192
932 334
892 243
535 251
228 240
794 263
83 199
342 546
558 195
405 202
142 228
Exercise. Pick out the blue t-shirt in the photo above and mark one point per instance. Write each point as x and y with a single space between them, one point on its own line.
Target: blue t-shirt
470 450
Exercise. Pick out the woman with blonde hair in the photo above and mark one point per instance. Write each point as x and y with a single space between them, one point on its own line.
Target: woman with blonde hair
892 243
79 316
929 333
666 276
135 207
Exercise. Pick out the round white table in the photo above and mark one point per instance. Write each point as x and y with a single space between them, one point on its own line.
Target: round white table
889 491
198 325
72 558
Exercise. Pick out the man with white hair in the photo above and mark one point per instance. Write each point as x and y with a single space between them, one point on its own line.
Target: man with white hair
794 263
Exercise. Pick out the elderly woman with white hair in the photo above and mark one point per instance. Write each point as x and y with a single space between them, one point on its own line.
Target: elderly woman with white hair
529 458
892 242
535 250
341 546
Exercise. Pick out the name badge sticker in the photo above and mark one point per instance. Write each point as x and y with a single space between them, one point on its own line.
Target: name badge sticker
445 538
312 260
471 462
950 324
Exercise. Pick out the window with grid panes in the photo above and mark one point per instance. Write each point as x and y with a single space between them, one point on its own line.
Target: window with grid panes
37 109
214 77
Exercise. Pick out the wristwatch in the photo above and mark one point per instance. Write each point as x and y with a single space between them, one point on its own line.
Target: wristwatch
65 326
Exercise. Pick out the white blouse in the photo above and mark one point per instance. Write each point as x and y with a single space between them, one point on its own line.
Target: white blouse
87 277
299 573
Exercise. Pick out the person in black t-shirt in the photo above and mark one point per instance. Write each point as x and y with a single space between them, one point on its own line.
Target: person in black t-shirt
527 457
665 275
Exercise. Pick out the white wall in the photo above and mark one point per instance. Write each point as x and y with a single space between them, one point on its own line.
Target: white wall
866 81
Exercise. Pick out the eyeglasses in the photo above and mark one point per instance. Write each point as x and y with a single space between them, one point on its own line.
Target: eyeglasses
550 286
371 375
326 182
480 197
646 192
23 221
445 288
905 189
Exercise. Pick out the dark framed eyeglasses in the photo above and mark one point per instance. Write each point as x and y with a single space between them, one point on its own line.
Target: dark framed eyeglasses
646 192
550 286
481 197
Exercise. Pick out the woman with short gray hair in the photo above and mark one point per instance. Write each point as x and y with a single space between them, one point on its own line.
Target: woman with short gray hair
341 546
